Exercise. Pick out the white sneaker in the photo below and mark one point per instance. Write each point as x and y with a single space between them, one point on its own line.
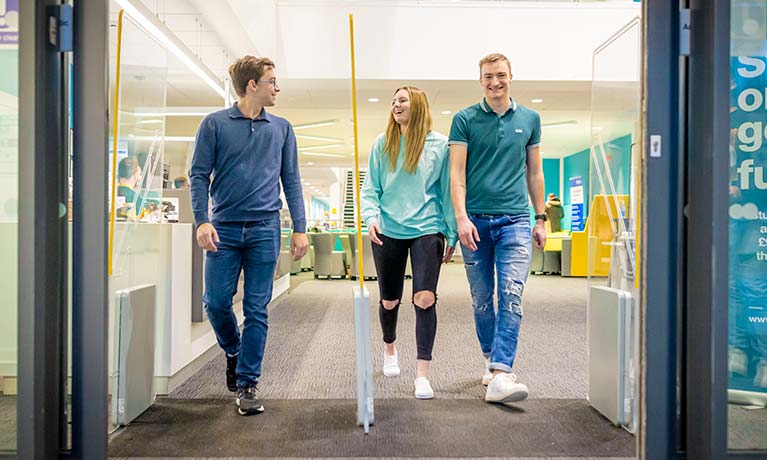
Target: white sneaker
488 375
504 389
391 365
423 388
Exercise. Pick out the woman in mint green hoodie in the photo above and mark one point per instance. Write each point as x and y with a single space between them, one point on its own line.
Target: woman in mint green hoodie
406 207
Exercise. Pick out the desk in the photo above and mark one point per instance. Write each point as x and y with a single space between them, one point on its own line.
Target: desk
159 254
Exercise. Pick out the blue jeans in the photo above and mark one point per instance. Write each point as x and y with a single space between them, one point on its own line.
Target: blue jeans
252 247
505 247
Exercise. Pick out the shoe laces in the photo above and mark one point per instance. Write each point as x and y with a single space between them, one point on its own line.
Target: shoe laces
510 376
250 391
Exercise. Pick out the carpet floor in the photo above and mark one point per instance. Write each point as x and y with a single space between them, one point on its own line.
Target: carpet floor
310 351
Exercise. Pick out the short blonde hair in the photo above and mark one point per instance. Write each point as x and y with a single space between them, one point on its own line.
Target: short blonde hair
248 68
492 58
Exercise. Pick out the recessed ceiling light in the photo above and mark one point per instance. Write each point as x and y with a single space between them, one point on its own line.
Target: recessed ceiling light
307 183
536 101
310 163
373 99
446 112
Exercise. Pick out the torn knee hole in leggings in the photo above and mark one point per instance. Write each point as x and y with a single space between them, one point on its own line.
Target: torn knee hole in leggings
429 304
470 264
392 306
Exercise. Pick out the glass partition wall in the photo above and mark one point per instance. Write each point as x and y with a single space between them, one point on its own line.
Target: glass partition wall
159 100
612 226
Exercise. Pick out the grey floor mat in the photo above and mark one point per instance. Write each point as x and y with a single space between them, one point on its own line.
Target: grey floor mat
404 428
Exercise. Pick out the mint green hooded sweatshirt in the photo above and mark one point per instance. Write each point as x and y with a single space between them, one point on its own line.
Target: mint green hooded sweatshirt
410 205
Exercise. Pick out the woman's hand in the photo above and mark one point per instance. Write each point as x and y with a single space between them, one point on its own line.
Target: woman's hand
374 230
449 250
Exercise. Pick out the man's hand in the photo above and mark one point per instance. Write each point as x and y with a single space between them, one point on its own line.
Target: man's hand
539 234
299 244
207 237
467 233
449 250
374 230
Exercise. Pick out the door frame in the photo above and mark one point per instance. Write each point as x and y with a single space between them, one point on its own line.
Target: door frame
43 233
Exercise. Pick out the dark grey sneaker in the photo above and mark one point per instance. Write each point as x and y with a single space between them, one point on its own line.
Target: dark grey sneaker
231 373
247 401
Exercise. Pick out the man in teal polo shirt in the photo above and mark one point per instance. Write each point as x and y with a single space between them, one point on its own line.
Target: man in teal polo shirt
495 162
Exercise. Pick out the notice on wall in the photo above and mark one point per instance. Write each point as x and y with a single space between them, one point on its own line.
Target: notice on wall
577 220
747 334
9 23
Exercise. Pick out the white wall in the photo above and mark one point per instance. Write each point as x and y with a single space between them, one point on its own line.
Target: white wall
408 41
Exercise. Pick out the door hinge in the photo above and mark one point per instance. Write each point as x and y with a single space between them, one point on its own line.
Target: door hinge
684 32
60 31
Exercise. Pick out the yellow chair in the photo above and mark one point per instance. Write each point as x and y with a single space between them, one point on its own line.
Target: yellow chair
589 250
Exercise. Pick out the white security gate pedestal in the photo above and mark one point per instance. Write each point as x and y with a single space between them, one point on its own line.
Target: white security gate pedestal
365 403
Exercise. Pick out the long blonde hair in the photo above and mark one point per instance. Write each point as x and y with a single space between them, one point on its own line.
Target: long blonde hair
418 126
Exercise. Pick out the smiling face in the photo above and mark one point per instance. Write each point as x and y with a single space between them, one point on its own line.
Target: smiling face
400 107
264 92
495 78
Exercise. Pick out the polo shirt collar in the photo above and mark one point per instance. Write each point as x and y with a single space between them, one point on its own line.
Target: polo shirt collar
487 109
234 112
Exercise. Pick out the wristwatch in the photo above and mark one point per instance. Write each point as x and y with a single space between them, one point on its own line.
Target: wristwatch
541 217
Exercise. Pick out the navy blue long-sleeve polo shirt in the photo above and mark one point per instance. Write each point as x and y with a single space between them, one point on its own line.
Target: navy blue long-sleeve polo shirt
240 162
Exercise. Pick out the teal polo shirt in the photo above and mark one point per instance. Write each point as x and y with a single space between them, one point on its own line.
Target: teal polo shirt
496 160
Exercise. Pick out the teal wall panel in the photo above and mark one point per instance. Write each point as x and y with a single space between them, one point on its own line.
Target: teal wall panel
551 175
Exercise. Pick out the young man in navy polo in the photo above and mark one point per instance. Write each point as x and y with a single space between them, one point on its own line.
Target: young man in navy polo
495 163
240 157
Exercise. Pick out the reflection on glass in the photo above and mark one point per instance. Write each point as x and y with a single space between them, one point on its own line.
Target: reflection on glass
9 134
747 315
611 198
159 102
138 173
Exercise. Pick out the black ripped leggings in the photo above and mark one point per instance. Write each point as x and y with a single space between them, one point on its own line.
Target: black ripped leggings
426 254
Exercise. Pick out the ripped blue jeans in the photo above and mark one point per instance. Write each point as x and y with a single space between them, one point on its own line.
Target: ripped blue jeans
505 249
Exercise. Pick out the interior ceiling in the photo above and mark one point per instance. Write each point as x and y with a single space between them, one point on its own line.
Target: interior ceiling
305 102
309 101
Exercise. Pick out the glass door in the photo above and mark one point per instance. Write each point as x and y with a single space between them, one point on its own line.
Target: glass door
612 227
9 219
747 282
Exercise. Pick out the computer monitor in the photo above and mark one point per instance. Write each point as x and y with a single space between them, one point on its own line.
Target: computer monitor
185 214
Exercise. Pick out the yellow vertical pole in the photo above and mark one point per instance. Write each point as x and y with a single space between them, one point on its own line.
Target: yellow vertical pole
356 159
115 129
